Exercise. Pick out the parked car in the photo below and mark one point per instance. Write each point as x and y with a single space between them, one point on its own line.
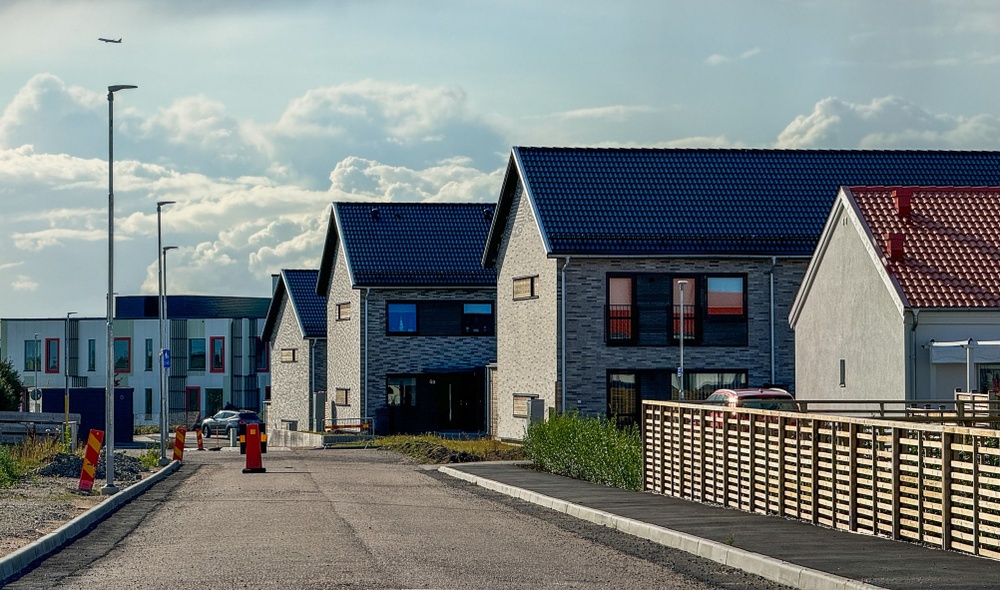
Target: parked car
770 398
227 420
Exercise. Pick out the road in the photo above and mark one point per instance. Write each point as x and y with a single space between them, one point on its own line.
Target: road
354 519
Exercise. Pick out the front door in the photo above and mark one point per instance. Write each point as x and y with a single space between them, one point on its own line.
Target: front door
401 402
192 405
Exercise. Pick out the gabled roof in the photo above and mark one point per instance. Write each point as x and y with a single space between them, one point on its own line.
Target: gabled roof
409 244
950 243
698 202
299 286
188 307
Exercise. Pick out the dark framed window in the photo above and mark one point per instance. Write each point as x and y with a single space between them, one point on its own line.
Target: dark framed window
51 355
402 318
289 355
91 355
400 391
149 354
644 309
628 388
441 318
196 354
524 288
123 355
343 311
522 404
149 404
32 355
699 384
261 355
218 347
341 396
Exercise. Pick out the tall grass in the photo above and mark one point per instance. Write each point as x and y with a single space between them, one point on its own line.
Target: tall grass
593 449
17 460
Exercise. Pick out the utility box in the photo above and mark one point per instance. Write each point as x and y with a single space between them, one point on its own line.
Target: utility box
536 410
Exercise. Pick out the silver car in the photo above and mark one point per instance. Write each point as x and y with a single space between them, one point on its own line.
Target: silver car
227 420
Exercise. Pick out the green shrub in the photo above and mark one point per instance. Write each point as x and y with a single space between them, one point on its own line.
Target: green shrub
150 459
9 473
593 449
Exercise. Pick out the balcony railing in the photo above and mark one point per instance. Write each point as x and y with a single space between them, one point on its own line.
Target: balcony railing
623 323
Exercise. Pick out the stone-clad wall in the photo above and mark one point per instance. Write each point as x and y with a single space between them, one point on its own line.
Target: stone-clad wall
344 342
289 381
527 347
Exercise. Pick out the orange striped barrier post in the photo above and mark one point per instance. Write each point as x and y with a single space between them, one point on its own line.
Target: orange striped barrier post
90 459
179 443
254 464
201 444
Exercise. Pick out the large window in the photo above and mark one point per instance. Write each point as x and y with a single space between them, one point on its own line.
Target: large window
32 355
196 354
261 355
698 385
628 388
51 355
441 318
218 344
401 391
645 309
123 355
91 355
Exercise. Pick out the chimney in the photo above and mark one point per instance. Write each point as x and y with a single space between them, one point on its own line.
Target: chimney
894 246
901 199
274 283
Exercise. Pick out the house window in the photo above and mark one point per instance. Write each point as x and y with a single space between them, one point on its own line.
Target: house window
261 357
149 354
123 355
149 403
218 344
196 354
51 355
343 311
341 395
401 391
620 318
32 355
698 385
843 373
623 398
524 288
644 309
477 318
289 355
402 318
91 355
522 404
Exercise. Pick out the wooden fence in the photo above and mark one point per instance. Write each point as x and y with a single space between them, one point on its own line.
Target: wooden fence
927 483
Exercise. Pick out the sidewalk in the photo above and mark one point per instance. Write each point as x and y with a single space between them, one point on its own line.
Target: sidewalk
791 552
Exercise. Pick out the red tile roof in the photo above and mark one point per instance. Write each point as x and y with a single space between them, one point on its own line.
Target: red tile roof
951 243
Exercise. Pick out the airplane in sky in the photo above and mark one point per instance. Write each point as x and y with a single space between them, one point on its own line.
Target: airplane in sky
110 40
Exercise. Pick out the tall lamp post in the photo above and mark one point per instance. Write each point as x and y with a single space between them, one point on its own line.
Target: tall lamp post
66 434
109 391
680 367
163 346
165 385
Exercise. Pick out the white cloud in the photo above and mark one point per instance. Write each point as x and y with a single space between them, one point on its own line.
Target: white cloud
617 112
887 123
716 59
24 283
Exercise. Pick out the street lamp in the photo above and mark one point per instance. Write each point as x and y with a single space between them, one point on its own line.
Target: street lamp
680 367
163 372
66 434
165 385
109 390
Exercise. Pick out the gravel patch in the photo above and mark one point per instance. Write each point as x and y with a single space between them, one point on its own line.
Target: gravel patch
48 498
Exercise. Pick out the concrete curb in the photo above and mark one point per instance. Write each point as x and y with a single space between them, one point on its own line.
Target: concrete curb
17 561
777 570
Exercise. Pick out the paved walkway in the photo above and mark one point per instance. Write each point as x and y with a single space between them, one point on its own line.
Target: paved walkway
788 551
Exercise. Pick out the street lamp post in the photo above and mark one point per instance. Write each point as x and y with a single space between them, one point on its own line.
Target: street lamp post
164 426
165 385
66 434
680 367
109 391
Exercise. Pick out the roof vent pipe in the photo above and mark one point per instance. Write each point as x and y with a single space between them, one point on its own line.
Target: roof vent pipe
901 199
375 213
894 246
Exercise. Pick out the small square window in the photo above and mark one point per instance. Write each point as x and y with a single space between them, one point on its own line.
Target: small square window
341 395
524 288
402 318
289 355
343 311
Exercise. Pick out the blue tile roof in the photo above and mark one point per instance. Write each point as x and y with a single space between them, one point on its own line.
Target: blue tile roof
190 307
309 309
415 244
676 202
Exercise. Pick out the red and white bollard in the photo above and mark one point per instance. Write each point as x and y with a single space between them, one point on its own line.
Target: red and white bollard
179 443
90 459
254 464
201 444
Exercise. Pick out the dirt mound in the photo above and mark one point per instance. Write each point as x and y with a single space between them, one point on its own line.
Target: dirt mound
127 469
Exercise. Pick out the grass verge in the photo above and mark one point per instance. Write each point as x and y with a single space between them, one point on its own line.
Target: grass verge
17 460
433 449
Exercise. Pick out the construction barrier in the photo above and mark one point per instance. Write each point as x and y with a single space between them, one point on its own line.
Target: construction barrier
179 443
201 443
90 458
243 438
252 445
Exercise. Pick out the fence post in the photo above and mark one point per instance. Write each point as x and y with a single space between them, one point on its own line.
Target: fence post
814 471
852 448
781 465
946 438
975 495
896 451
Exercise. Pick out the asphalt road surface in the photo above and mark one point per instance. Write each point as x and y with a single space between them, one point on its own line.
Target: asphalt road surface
355 519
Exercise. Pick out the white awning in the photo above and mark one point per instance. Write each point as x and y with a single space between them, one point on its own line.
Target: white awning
982 351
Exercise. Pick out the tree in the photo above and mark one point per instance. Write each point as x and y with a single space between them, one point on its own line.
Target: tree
11 386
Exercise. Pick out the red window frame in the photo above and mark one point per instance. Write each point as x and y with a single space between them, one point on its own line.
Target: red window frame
49 368
128 355
221 366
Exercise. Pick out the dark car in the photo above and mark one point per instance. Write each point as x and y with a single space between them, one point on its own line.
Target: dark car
228 420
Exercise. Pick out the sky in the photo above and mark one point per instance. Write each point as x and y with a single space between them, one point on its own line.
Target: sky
254 116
